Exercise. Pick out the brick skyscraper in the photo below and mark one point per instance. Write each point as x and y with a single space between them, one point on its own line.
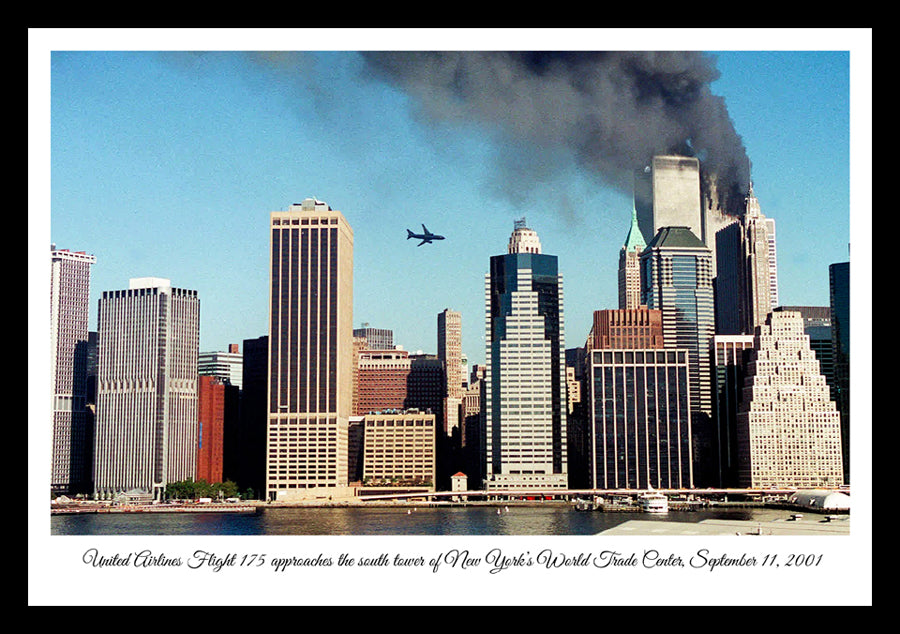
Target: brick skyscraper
211 419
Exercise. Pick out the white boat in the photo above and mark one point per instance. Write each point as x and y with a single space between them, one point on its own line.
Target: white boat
653 503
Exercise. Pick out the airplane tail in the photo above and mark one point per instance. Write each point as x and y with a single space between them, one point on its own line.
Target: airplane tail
409 234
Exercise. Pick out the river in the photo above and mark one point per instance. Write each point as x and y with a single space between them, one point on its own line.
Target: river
547 520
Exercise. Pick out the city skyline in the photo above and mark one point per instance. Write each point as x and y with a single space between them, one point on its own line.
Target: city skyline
166 161
197 213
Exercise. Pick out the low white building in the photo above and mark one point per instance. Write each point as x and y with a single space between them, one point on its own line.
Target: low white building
821 499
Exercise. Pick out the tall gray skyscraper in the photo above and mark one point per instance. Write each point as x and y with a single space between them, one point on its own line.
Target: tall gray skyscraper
745 279
524 405
310 351
146 426
70 281
667 194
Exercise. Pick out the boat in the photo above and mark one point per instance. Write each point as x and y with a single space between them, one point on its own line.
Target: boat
584 505
653 503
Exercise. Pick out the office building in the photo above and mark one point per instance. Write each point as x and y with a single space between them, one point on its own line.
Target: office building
211 432
381 383
817 324
676 276
425 384
639 428
730 357
630 266
376 338
310 351
70 282
449 346
745 278
227 365
399 449
788 428
245 460
773 262
146 424
839 292
630 328
524 405
677 281
667 194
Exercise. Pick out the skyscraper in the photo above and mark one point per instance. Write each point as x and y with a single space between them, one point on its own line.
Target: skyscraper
525 386
382 378
376 338
146 425
630 266
667 194
70 281
839 285
676 274
247 466
211 428
677 280
773 261
730 357
225 365
310 351
449 343
788 428
639 419
744 282
627 328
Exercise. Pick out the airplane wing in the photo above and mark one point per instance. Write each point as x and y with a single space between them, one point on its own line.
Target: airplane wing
424 242
425 229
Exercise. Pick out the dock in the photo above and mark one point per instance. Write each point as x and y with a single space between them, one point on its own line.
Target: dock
811 525
153 508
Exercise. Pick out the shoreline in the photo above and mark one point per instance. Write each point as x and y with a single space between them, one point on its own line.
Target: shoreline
255 506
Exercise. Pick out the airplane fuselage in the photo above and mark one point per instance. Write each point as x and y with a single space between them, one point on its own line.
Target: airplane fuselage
426 237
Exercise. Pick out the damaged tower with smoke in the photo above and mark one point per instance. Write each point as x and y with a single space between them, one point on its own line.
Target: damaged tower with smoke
645 123
609 113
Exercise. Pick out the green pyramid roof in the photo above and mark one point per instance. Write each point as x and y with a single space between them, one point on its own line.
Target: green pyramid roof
635 239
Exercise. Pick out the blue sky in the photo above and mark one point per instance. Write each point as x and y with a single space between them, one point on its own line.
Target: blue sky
167 164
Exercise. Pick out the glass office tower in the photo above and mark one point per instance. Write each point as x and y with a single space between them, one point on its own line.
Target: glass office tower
525 388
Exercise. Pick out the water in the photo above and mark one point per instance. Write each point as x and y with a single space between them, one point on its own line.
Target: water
471 520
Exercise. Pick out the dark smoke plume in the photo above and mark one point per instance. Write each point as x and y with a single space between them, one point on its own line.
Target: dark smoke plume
611 111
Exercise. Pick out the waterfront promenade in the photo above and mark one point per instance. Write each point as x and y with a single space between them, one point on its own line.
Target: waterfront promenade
814 524
594 500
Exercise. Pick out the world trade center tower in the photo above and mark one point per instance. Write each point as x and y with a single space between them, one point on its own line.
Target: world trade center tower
310 352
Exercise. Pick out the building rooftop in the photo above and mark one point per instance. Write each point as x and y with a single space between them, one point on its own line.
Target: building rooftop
676 237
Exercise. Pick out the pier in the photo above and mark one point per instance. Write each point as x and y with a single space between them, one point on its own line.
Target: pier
93 507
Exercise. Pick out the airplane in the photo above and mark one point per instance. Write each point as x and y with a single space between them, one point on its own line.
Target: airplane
425 237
